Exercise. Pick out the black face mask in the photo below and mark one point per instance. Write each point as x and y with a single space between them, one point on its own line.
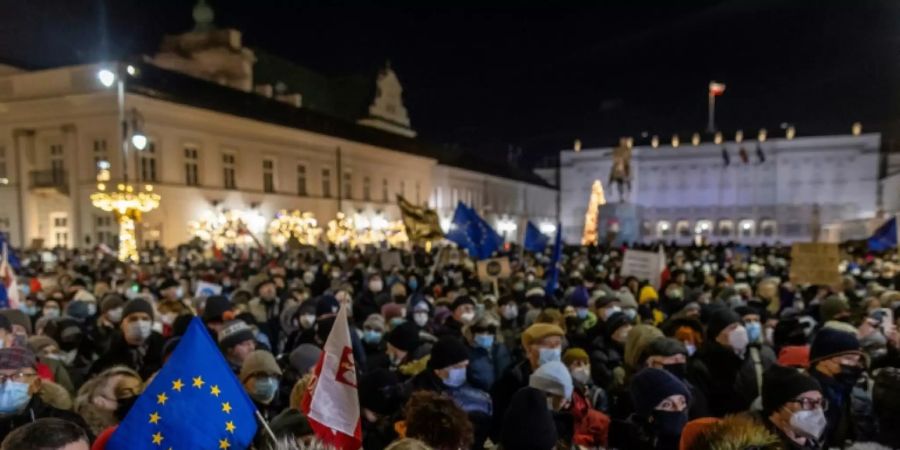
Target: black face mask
124 405
677 369
670 423
849 375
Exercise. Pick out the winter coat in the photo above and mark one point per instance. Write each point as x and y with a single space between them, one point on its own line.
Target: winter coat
364 306
727 379
591 426
55 395
96 400
850 415
145 359
515 378
468 398
486 366
37 409
451 328
604 361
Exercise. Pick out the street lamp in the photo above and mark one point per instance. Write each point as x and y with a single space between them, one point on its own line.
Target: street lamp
107 77
139 140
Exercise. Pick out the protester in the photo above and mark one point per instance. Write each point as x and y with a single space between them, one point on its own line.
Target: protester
437 421
47 434
261 376
661 412
135 344
488 358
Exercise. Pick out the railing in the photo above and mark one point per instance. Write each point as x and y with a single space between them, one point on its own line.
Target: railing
50 179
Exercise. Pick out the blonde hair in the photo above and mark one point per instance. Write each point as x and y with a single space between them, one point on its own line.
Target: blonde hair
299 391
408 444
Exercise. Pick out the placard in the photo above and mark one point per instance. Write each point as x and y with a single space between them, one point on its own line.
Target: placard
206 289
390 260
493 269
643 265
815 263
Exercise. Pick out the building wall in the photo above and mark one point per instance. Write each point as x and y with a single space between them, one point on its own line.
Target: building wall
799 186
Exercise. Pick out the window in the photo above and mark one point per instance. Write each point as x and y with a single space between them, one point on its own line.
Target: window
57 163
646 228
301 179
403 188
367 188
191 158
663 229
228 168
268 175
384 190
101 155
104 230
148 162
454 197
59 229
348 185
4 225
683 228
746 228
725 228
767 228
326 183
703 227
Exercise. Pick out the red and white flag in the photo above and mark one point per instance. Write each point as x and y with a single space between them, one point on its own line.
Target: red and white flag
331 403
663 267
716 89
8 278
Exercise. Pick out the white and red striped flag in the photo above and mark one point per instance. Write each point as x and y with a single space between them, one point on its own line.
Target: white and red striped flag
331 403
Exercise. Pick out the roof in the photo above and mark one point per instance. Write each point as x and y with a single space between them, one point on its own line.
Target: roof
175 87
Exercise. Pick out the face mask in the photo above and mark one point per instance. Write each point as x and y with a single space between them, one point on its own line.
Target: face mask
30 310
630 313
307 321
114 315
372 336
670 423
691 348
510 312
485 341
413 284
167 319
308 278
519 287
548 355
51 313
421 319
139 331
610 311
754 331
467 317
395 359
738 339
770 336
13 396
91 309
581 374
456 377
581 313
376 286
123 406
264 389
849 375
677 369
179 293
397 321
810 424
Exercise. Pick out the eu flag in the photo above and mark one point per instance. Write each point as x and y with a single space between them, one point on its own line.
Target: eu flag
885 237
469 231
535 241
553 275
195 402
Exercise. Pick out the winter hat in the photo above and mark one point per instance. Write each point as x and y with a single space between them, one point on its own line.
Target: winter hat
233 333
626 299
17 317
38 343
528 424
605 301
573 355
616 321
553 378
378 392
462 300
168 283
651 386
391 310
327 305
259 361
536 292
135 306
375 321
832 307
830 342
13 358
215 309
111 301
78 309
304 357
794 356
579 297
783 384
447 352
647 295
665 347
405 337
719 319
539 331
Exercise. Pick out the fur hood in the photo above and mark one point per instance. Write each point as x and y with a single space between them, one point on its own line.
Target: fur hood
737 432
55 395
95 400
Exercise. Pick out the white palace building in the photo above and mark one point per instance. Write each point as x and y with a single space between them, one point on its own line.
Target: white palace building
229 128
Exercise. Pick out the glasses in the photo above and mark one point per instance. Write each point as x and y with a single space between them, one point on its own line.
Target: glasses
17 377
810 404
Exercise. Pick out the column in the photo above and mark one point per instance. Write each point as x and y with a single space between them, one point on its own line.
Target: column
25 158
73 156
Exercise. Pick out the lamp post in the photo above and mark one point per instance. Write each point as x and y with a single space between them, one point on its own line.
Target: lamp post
125 202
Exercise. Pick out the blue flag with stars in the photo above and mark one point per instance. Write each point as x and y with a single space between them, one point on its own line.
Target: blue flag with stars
469 231
194 403
535 241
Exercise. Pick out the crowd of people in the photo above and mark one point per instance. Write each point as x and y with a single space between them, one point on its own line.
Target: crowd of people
724 352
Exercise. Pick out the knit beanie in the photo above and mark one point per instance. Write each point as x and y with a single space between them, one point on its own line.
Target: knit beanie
830 342
447 352
573 355
259 361
304 357
135 306
233 333
215 308
391 310
719 319
605 301
579 297
832 307
15 358
462 300
783 384
616 321
38 343
528 424
17 317
553 378
374 321
665 347
327 305
651 386
405 337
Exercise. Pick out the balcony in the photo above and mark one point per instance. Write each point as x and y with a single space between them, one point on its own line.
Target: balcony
49 180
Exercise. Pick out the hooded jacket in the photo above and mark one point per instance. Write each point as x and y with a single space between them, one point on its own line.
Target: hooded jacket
737 432
92 401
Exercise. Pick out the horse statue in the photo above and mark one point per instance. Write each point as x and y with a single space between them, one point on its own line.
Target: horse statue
620 172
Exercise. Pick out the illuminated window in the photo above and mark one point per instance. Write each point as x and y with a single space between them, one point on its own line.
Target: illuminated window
683 228
268 175
191 163
747 227
725 228
147 162
767 228
663 229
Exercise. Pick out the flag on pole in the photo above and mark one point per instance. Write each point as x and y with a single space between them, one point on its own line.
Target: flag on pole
885 237
331 403
422 224
553 276
663 270
535 241
716 89
9 286
469 231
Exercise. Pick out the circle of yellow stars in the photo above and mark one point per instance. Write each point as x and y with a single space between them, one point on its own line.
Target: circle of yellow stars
196 383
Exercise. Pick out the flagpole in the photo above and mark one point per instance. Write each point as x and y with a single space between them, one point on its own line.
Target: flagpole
711 126
266 426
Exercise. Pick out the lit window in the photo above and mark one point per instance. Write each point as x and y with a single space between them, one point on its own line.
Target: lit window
268 175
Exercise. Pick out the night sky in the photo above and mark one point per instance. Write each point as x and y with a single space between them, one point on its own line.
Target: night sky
537 78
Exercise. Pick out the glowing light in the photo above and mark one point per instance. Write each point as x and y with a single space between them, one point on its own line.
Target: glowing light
127 206
360 231
762 135
131 70
301 226
547 227
739 136
790 132
598 198
139 140
227 228
577 145
506 225
107 77
654 141
718 137
856 128
695 139
676 141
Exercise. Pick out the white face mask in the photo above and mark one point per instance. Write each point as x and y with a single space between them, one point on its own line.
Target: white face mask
139 330
114 315
610 311
421 318
307 320
167 319
582 374
738 339
467 317
809 424
376 286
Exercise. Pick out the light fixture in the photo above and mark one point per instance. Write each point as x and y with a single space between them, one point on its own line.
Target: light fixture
131 70
664 226
695 139
790 132
718 137
762 135
139 140
107 77
739 136
856 129
547 227
577 145
654 141
675 141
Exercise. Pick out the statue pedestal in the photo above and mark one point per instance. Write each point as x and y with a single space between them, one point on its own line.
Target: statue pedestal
618 223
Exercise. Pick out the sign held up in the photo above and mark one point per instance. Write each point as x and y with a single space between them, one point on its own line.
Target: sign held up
493 269
643 265
815 263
